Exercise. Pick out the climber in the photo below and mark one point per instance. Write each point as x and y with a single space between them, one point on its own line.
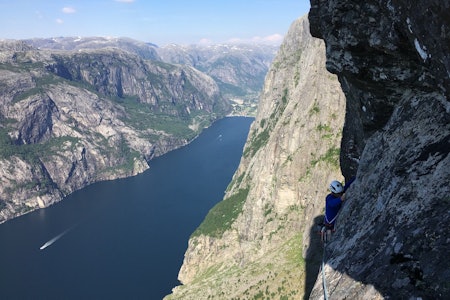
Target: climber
333 203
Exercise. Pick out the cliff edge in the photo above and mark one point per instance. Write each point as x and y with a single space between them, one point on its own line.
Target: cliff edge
257 242
392 60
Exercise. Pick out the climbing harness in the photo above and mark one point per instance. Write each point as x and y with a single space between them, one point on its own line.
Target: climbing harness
332 220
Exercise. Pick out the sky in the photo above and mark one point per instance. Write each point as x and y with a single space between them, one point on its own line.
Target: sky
156 21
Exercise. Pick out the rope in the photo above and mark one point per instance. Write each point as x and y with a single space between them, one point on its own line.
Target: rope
324 282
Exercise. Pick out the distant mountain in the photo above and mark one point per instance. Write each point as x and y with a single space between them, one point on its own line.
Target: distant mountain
77 110
239 70
69 118
144 50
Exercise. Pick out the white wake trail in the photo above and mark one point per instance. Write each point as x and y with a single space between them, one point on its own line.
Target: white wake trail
55 238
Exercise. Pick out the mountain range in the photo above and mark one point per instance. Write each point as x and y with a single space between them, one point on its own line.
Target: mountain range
357 90
75 111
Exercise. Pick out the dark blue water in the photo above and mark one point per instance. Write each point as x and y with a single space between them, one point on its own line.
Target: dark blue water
123 239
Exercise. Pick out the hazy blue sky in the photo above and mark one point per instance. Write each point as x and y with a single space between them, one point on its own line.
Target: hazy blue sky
156 21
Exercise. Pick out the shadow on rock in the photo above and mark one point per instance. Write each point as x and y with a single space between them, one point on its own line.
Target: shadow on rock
313 257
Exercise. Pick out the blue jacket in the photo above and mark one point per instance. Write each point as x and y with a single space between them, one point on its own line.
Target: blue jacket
333 205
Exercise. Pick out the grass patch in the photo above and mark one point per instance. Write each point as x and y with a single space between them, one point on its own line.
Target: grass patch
141 116
294 251
32 152
315 109
323 128
221 217
331 157
257 142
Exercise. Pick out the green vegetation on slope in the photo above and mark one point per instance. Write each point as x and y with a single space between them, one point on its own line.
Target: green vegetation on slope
331 157
259 140
221 217
32 152
278 274
141 116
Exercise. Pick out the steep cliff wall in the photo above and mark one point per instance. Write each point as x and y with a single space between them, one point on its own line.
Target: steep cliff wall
393 61
254 242
68 119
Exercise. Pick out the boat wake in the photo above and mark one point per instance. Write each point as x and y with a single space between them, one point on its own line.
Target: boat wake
55 239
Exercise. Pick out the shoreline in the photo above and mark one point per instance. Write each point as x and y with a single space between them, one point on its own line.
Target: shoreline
54 198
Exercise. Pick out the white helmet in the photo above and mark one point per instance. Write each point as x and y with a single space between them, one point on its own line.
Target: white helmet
336 187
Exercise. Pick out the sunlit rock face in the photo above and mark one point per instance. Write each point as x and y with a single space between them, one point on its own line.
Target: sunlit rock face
392 60
72 118
257 241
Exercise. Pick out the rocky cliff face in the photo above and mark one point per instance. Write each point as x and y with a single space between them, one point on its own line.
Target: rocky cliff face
168 89
253 243
239 69
68 119
392 59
